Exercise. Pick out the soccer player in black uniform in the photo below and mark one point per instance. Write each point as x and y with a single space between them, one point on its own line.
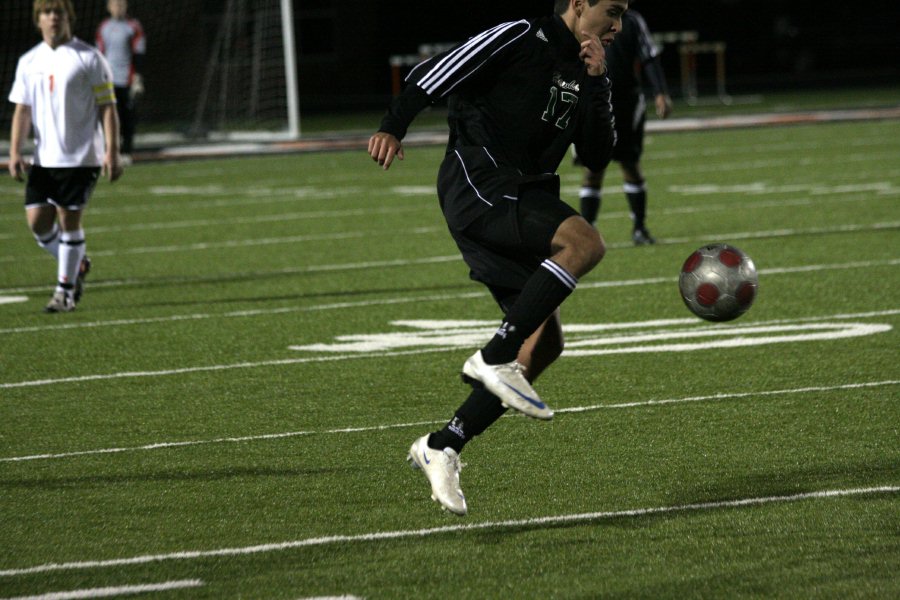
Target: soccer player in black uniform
519 95
632 55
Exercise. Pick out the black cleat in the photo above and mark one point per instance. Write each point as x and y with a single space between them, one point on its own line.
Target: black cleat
642 237
83 269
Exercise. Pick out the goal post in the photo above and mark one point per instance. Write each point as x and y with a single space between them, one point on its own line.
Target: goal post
249 89
290 68
212 71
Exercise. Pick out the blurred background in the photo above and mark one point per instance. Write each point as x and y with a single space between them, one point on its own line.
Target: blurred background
219 65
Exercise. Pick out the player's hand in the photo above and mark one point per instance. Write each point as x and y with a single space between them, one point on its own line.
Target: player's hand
663 106
17 167
383 147
112 167
593 54
137 87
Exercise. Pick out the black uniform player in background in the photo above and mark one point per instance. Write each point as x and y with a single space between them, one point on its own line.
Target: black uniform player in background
632 55
519 95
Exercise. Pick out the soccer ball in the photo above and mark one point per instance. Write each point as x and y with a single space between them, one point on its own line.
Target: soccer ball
718 282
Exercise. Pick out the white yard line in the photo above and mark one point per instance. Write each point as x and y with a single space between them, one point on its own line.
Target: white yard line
199 246
271 218
372 264
378 536
838 192
248 243
746 166
218 196
228 367
399 300
383 427
193 199
324 358
295 239
110 592
247 313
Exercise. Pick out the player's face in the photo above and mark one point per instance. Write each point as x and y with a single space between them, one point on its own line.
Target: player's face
603 19
117 8
54 25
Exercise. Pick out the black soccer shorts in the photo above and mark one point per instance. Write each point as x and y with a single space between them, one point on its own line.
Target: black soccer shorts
631 117
68 188
506 244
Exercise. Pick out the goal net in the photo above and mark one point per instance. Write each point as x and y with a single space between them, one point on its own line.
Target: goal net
213 70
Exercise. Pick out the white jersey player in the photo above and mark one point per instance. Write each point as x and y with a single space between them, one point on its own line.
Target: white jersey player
63 91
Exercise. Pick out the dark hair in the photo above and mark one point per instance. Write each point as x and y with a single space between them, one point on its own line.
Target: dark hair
561 5
65 5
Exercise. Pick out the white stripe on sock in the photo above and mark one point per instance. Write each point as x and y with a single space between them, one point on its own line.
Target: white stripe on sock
564 276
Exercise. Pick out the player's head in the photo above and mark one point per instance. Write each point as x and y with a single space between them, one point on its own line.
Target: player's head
54 18
63 7
560 6
601 18
117 8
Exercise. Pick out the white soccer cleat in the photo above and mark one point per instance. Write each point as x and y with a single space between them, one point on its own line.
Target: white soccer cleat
441 467
60 302
507 382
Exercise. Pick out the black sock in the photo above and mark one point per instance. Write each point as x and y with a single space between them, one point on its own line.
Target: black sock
544 291
475 415
637 201
590 203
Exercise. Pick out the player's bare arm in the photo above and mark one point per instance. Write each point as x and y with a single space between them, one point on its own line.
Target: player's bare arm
663 106
112 163
383 147
21 124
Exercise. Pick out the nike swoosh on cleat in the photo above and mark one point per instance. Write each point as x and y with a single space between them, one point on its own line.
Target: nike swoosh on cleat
532 401
425 458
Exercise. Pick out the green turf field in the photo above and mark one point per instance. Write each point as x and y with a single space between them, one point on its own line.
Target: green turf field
227 413
781 102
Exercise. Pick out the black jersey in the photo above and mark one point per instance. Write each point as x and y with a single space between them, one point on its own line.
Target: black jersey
520 92
632 53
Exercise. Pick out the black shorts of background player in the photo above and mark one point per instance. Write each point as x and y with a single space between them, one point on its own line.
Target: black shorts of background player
631 59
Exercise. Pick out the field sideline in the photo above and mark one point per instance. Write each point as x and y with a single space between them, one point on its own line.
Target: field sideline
228 411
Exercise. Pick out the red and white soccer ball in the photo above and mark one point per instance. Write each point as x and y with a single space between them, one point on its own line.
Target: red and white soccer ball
718 282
